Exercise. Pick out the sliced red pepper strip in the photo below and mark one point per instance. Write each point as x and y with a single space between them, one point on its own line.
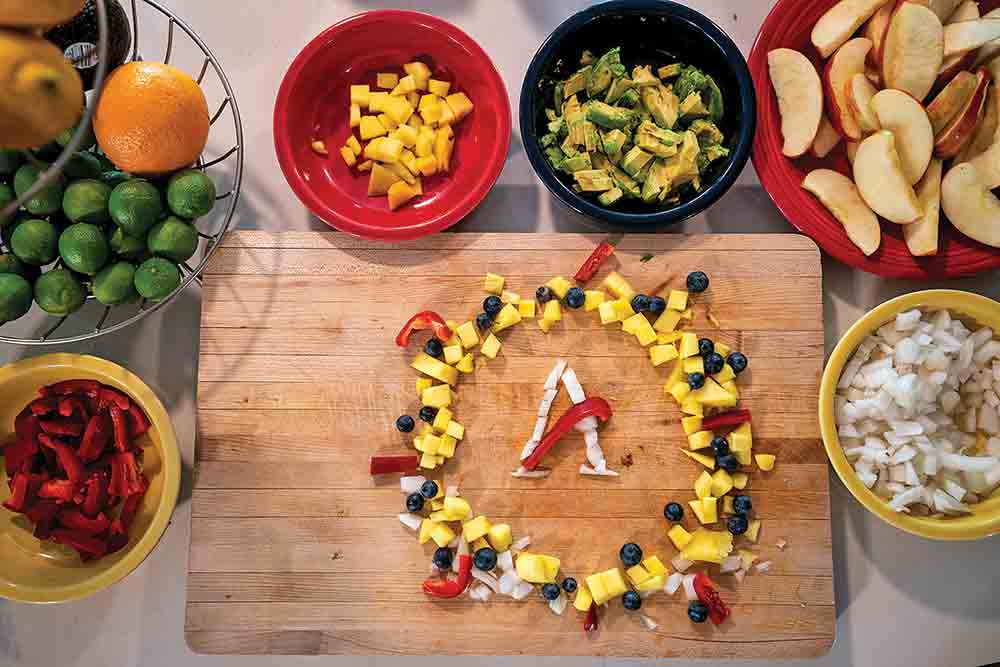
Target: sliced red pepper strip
108 396
41 513
424 320
43 406
85 544
74 519
126 479
65 454
594 262
590 621
72 405
91 388
709 596
724 419
62 427
60 490
451 588
123 442
95 438
381 465
17 453
138 421
95 498
121 524
592 407
18 500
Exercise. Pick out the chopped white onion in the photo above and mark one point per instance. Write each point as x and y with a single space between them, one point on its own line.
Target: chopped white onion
508 582
539 431
545 406
764 566
451 491
486 578
573 387
648 623
552 381
522 590
740 575
529 449
558 606
505 561
689 591
674 582
411 484
531 474
587 470
731 564
521 544
411 521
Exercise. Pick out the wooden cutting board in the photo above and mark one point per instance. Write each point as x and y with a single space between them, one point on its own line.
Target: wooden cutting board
295 549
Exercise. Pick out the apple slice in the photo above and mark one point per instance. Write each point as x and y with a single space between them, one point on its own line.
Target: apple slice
878 173
913 50
840 22
902 115
826 139
922 236
970 205
800 98
952 65
840 196
988 51
967 35
985 134
944 9
875 29
848 61
949 141
987 166
851 148
860 92
952 99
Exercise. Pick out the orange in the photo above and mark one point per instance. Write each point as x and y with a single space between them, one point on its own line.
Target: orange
151 119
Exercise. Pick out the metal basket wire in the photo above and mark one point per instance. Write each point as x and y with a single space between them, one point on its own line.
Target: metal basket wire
210 229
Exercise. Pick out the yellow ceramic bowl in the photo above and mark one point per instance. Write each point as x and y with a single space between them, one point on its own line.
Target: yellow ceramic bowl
985 517
34 571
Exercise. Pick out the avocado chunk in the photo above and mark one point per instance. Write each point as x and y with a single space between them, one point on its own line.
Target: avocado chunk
617 89
656 181
579 162
709 155
608 116
629 98
690 80
604 71
707 132
643 76
669 71
610 197
614 142
625 183
657 141
635 160
716 108
693 106
576 83
593 180
662 105
683 167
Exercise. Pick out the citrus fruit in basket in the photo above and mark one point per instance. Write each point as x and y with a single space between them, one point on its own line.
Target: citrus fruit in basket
40 92
10 160
156 278
87 201
35 242
174 239
190 194
46 201
58 292
78 38
83 248
35 14
124 245
114 285
135 206
83 165
6 196
15 297
151 119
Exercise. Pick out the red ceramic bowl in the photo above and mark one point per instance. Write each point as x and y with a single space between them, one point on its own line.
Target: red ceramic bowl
789 25
314 103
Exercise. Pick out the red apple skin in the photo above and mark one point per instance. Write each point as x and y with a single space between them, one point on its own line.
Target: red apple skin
835 102
951 140
963 64
948 98
875 29
987 6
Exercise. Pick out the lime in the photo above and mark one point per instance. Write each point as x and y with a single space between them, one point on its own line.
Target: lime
115 178
156 278
59 293
9 263
87 201
174 239
45 201
114 285
49 152
84 248
15 297
6 197
89 140
35 242
10 160
128 246
190 194
82 165
135 206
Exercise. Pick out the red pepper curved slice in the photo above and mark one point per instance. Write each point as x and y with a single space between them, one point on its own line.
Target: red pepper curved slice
74 519
594 262
66 456
590 621
381 465
705 589
427 319
89 388
592 407
95 437
451 588
89 547
62 427
724 419
60 490
123 442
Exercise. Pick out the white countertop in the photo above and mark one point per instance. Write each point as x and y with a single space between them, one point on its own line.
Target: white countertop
901 601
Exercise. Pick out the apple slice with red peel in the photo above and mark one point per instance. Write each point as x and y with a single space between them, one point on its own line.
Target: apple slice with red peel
848 61
990 50
840 196
952 99
851 148
840 22
952 65
875 29
985 134
860 92
878 173
913 50
922 236
826 139
902 115
800 99
967 35
944 9
949 141
970 205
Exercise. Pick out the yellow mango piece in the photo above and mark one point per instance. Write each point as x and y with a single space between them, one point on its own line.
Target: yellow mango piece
689 345
455 430
630 326
677 300
765 461
654 566
442 534
428 102
353 143
731 388
456 509
435 368
387 122
376 102
691 406
526 308
614 582
447 115
725 375
705 509
637 574
398 108
404 174
740 480
667 321
654 583
727 506
722 483
439 88
491 348
500 537
385 150
423 383
713 396
617 285
661 354
533 568
406 135
700 440
444 144
468 334
360 96
481 543
506 318
370 128
355 117
708 546
466 365
418 70
406 85
413 99
427 165
551 565
365 166
349 157
703 485
447 446
722 349
753 531
583 598
691 424
441 421
668 337
510 297
416 122
426 526
428 461
453 354
679 390
545 325
644 332
593 299
679 536
418 443
552 311
431 115
493 284
460 104
694 365
431 444
707 461
438 396
425 148
399 194
595 584
478 527
607 312
387 80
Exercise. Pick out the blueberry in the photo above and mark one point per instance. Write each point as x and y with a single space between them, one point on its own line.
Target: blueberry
544 294
720 446
737 525
484 321
696 380
405 423
414 502
705 346
485 559
569 585
550 591
640 303
742 504
442 558
429 489
697 282
728 462
434 348
657 305
631 600
738 361
427 414
674 512
492 305
698 612
630 554
575 298
714 363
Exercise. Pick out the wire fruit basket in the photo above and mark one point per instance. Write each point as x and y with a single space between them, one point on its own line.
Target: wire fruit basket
93 319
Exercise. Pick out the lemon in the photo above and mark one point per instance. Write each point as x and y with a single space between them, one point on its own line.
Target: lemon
15 297
59 293
83 248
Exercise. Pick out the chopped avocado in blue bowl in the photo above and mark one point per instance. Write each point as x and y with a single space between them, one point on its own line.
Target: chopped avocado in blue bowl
638 113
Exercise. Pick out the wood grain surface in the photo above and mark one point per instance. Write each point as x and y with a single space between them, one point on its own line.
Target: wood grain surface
295 549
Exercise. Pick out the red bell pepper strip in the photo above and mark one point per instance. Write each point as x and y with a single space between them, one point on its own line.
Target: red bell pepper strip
74 519
424 320
60 490
705 589
91 388
41 513
43 406
18 500
123 442
121 524
108 396
594 262
451 588
381 465
590 621
68 460
724 419
72 405
17 453
87 545
61 427
138 421
126 479
95 499
592 407
95 438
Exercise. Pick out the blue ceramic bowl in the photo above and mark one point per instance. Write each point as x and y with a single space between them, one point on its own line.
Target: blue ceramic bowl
649 31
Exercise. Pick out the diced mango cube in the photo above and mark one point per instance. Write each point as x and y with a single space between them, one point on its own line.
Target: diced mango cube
447 446
703 485
398 109
614 582
453 354
424 148
430 444
722 483
583 598
644 332
500 537
668 337
679 390
428 102
431 114
526 308
491 347
406 135
387 121
442 534
623 309
494 284
506 318
748 557
468 334
694 365
428 461
691 406
536 568
448 116
713 396
551 565
387 80
731 387
725 375
753 531
654 566
418 443
399 194
441 421
435 368
679 536
637 574
456 509
370 128
689 345
439 88
740 480
510 297
404 175
722 349
426 526
427 165
360 96
691 424
466 364
592 299
545 325
423 383
349 157
700 440
617 285
437 397
765 461
406 85
595 585
654 583
631 325
481 543
418 70
353 143
705 509
365 166
460 104
661 354
707 461
708 546
376 102
444 145
607 312
667 322
677 300
455 430
478 527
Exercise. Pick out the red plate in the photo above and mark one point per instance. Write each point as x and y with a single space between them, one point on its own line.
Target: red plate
789 25
314 103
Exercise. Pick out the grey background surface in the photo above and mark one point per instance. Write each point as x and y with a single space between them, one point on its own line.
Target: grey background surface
901 601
